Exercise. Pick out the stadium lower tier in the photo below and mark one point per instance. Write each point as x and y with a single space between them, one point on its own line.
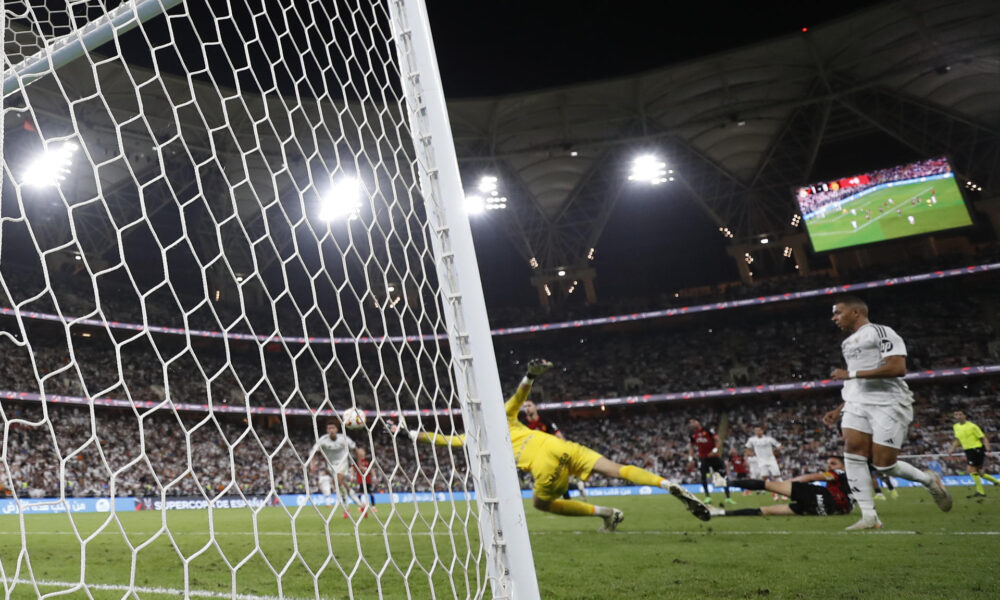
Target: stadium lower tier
84 452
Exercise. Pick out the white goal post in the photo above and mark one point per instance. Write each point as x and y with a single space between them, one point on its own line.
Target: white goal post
222 224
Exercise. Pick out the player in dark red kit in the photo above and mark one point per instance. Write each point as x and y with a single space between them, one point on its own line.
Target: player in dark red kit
738 467
705 445
366 480
807 499
533 420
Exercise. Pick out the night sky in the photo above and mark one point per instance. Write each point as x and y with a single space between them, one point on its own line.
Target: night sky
495 48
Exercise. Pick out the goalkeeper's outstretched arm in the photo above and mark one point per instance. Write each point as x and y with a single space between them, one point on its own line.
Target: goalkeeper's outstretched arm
536 367
438 439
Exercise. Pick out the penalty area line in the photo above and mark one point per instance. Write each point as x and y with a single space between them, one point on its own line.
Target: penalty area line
173 592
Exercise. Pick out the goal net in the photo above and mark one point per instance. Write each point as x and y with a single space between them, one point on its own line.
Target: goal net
224 224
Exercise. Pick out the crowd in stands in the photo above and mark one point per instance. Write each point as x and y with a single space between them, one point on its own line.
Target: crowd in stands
945 323
817 200
711 351
77 452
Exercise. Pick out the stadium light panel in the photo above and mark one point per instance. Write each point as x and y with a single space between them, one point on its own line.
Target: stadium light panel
648 169
561 273
342 201
475 205
764 240
52 167
488 185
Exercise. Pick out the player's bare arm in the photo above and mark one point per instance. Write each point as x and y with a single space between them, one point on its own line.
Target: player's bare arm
894 366
830 418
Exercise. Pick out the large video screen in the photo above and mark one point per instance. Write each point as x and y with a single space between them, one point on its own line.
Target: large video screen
887 204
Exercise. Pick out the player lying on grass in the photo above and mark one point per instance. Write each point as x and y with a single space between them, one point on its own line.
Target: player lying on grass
551 461
807 499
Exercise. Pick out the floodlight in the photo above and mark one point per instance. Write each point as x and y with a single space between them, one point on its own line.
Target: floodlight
488 184
561 273
342 201
496 202
474 205
51 168
764 240
648 169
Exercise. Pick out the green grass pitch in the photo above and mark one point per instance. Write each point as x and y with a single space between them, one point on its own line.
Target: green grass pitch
659 552
841 228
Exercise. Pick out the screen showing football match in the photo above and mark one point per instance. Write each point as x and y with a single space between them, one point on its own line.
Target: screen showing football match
887 204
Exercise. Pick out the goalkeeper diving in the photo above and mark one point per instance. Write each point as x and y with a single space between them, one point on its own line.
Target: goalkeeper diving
551 461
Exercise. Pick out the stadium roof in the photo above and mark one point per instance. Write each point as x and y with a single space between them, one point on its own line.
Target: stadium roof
739 128
743 126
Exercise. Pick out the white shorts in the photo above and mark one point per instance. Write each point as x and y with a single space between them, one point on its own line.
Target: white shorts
768 468
886 423
754 469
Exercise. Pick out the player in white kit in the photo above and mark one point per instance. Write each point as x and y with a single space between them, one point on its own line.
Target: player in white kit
335 449
762 447
877 409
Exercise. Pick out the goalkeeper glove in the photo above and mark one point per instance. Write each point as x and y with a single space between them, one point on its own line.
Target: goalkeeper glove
537 366
395 429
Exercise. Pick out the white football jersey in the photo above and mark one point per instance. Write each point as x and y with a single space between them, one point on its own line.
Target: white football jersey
763 447
336 451
867 348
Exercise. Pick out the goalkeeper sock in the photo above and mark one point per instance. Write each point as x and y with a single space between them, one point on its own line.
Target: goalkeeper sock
748 484
905 470
744 512
575 508
979 483
991 478
641 476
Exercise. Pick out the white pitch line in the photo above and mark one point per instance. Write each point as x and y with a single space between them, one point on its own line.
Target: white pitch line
177 593
240 533
775 532
561 532
551 532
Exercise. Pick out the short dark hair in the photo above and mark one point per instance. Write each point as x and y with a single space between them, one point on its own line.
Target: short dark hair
852 301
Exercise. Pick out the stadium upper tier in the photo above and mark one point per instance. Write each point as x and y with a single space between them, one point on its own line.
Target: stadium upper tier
270 326
947 324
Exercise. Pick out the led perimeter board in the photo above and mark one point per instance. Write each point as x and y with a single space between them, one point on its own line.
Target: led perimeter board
887 204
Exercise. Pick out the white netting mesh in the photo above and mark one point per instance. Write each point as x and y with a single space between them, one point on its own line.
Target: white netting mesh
211 237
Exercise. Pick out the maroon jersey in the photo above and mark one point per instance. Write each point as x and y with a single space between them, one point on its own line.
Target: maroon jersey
739 464
704 440
540 425
363 474
836 484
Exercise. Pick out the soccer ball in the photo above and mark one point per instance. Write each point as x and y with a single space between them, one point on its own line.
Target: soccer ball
353 418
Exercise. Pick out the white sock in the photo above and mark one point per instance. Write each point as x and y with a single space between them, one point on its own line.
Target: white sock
603 511
905 470
860 480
